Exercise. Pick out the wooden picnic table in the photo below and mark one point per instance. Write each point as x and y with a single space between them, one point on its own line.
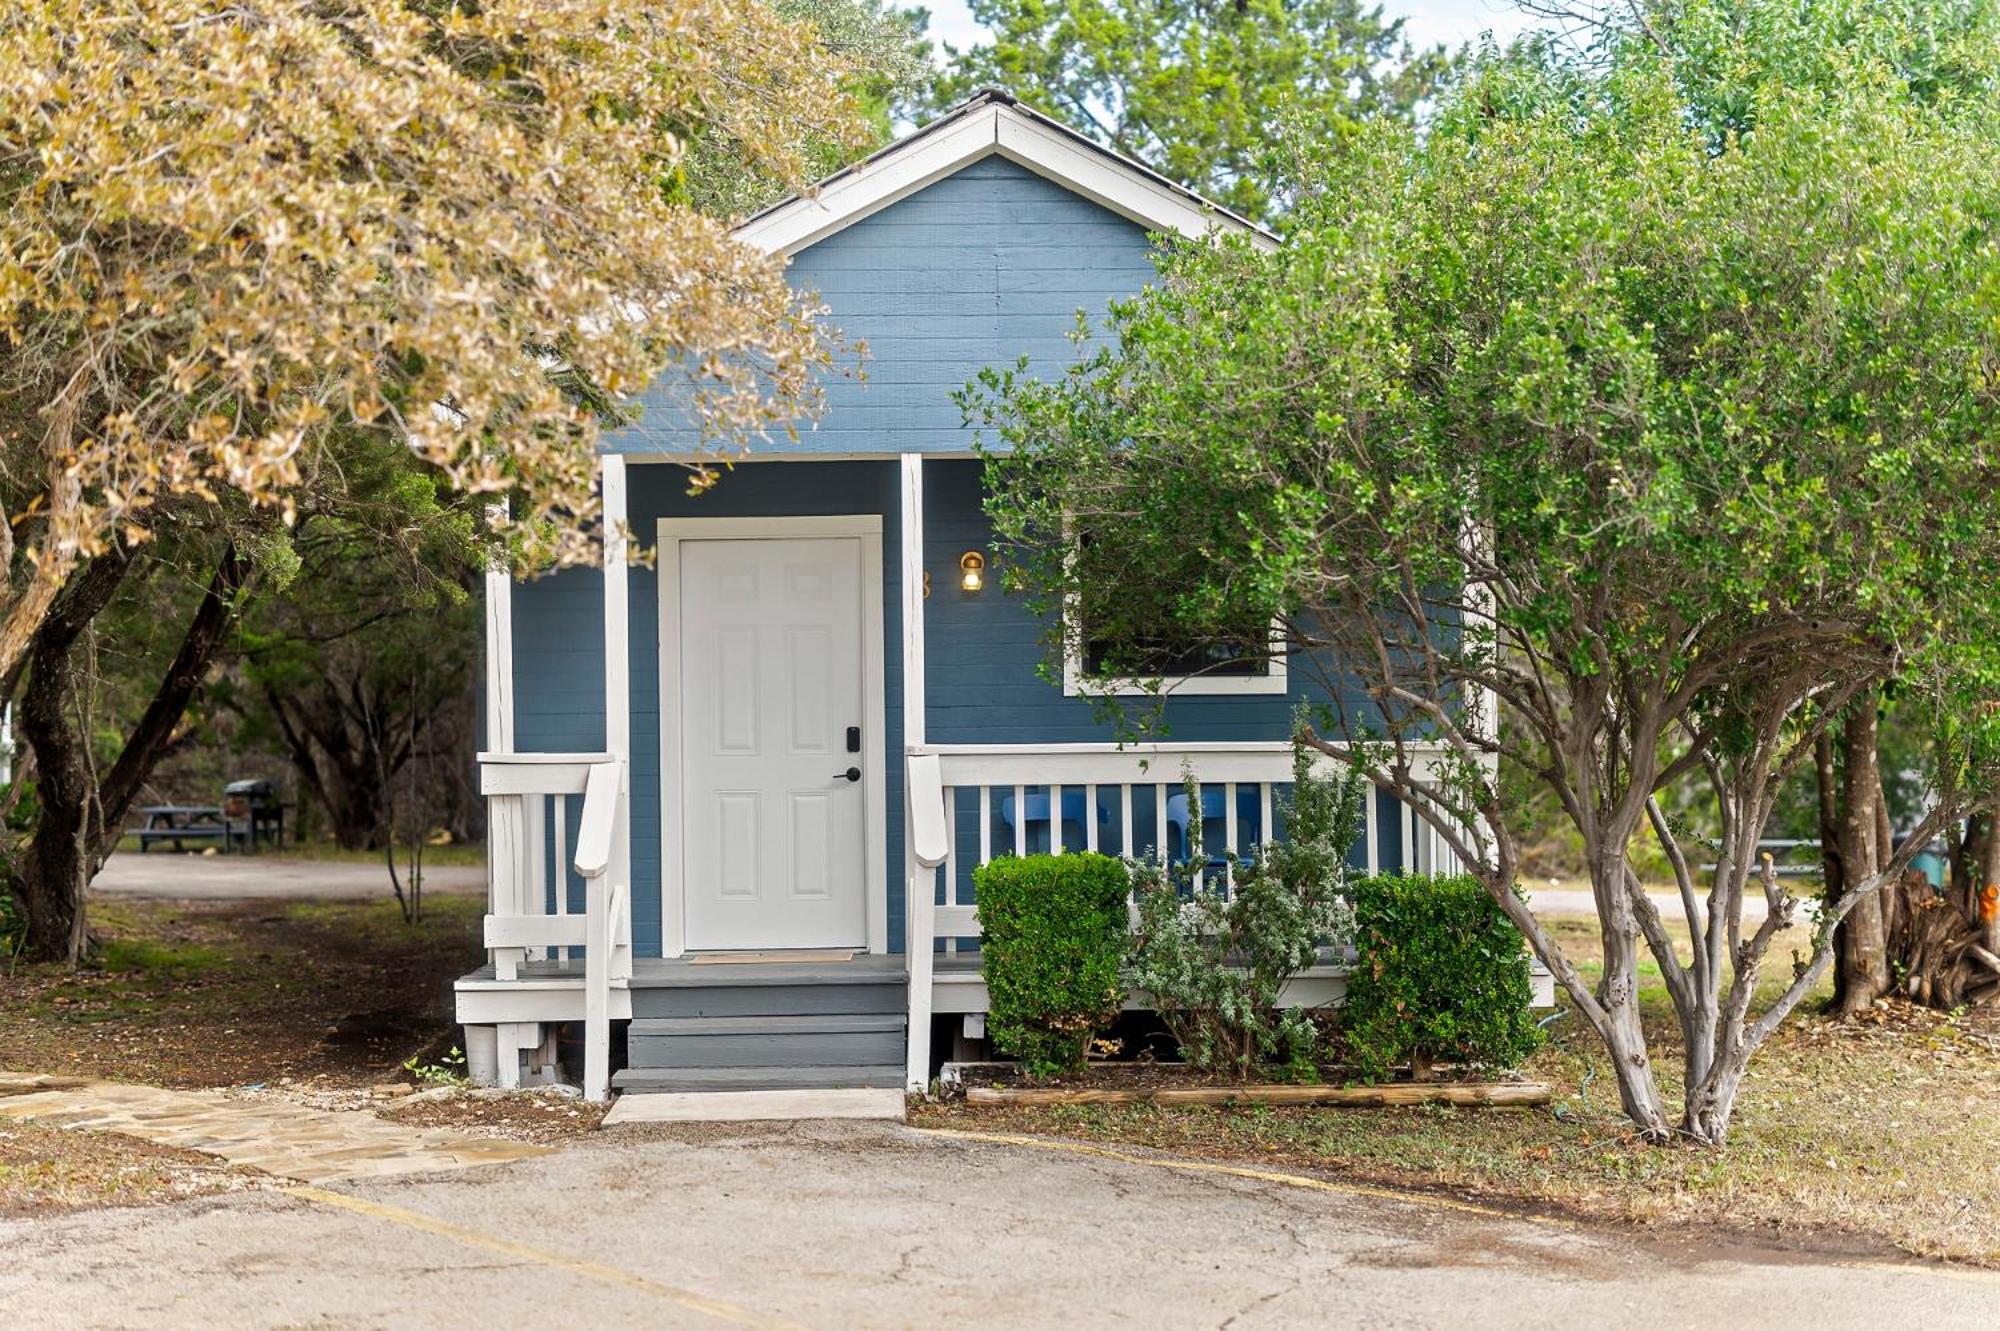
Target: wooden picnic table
181 823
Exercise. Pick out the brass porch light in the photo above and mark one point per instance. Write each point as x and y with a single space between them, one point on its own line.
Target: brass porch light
971 570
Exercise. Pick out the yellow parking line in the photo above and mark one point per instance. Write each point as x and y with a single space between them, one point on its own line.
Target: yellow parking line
693 1302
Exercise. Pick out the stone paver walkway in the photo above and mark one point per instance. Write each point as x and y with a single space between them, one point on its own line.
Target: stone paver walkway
277 1136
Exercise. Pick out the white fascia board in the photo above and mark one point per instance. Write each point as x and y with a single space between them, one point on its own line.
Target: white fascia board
872 186
1128 190
901 170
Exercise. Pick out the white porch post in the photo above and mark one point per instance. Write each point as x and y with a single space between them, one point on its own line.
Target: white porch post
618 687
506 818
919 882
499 652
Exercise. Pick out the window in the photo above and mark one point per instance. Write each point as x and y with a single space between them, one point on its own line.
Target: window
1179 667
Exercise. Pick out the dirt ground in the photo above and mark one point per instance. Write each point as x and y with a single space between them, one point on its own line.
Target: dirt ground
226 993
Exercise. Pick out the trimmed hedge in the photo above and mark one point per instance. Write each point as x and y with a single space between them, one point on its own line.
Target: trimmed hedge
1053 937
1441 976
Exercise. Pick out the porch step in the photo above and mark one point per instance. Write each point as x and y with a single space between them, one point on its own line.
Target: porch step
642 1081
771 1041
764 994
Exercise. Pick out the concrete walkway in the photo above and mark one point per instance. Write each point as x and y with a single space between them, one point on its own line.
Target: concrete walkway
194 877
848 1225
278 1136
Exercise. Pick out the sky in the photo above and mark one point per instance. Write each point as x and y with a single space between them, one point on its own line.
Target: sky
1450 22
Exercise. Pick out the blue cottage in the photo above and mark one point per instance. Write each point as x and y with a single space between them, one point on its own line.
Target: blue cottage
738 791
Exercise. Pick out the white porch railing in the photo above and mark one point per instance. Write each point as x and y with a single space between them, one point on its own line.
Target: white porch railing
546 901
1022 798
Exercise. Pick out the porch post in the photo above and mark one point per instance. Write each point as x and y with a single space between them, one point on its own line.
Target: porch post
618 688
506 817
499 650
918 881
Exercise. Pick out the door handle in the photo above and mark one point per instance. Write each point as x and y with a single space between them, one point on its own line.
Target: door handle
851 774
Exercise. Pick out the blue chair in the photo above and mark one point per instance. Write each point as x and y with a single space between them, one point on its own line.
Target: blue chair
1215 825
1036 817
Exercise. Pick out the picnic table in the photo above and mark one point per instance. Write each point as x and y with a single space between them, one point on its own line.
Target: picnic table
250 813
182 823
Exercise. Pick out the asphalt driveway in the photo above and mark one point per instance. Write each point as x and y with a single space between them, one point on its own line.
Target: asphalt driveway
169 876
826 1225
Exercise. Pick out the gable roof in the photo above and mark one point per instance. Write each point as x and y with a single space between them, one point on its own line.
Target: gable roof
992 123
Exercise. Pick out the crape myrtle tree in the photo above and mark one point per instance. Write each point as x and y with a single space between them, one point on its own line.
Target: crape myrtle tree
1193 88
236 239
1909 939
1671 444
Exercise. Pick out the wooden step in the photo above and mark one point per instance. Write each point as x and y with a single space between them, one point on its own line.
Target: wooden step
640 1081
764 996
836 1040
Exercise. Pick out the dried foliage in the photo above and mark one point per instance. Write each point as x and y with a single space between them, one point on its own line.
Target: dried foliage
234 232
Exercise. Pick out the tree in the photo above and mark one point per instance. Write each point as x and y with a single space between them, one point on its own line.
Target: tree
1933 53
1673 445
238 240
356 656
889 63
1196 89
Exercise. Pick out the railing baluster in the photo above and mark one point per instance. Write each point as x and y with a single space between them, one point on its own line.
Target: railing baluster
560 803
985 824
951 893
1090 816
1056 820
1125 820
1371 828
1267 830
1020 820
1229 836
1160 822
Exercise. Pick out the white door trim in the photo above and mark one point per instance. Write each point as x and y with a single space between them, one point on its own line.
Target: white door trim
874 766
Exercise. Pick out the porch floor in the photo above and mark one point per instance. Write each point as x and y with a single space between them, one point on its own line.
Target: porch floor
693 973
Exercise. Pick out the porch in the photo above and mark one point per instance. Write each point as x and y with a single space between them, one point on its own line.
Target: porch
559 927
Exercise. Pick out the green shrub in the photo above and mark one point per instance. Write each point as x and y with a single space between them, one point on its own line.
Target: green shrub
1440 975
1053 937
1213 963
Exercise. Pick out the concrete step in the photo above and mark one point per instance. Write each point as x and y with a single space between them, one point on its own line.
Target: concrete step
838 1040
761 996
735 1106
642 1081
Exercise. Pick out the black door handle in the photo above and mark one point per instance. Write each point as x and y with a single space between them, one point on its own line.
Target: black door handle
851 774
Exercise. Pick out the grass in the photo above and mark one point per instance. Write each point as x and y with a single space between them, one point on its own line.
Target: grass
1879 1130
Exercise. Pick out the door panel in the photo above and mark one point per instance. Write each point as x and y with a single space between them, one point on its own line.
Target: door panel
773 851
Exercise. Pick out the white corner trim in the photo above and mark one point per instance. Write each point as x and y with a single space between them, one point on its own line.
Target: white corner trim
923 158
617 614
914 690
874 707
499 651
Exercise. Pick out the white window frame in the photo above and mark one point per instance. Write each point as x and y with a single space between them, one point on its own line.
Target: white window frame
1275 681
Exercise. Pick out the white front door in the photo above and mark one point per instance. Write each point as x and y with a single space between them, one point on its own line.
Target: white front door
771 749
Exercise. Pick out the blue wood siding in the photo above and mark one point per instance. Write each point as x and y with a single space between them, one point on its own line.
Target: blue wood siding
983 651
977 270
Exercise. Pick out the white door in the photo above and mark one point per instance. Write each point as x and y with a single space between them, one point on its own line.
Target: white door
771 750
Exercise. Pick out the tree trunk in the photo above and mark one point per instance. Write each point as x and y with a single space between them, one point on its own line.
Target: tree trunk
1618 992
1861 971
80 816
56 865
